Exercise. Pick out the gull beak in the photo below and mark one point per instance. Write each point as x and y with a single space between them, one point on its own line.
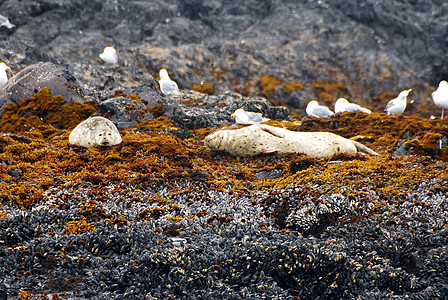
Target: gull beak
409 90
232 115
8 68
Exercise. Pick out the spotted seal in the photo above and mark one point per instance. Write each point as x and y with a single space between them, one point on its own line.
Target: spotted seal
257 139
97 131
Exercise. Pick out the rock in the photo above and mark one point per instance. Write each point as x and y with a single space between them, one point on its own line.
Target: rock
32 79
262 106
147 94
334 49
125 112
213 111
3 292
268 174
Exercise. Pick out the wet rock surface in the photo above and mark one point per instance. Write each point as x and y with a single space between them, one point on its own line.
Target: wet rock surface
159 216
290 51
124 112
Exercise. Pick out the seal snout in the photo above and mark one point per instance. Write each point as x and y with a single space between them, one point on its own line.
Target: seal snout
105 138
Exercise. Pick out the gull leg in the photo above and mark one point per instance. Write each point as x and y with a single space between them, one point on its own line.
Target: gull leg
442 113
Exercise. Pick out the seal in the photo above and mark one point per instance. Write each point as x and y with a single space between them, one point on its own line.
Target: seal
257 139
95 131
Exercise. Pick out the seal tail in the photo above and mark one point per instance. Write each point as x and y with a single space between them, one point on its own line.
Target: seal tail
364 149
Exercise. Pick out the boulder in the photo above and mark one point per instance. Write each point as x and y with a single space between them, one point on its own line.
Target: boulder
32 79
124 112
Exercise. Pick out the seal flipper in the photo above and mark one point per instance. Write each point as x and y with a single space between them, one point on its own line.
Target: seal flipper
272 130
270 150
364 149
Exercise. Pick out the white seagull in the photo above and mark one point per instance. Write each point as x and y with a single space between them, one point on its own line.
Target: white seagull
167 86
396 107
342 105
247 117
109 55
3 75
440 96
313 109
5 22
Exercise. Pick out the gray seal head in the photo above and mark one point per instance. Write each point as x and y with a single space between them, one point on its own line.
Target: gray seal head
95 131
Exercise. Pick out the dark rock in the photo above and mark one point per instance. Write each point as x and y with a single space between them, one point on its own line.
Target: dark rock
15 173
213 111
124 112
269 174
30 80
193 118
367 47
402 149
301 165
262 106
147 93
3 292
21 138
180 133
441 166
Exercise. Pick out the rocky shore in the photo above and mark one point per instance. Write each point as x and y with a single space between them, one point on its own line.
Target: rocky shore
160 216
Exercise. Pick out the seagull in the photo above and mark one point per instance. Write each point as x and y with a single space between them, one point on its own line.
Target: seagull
5 22
396 107
342 105
109 55
3 75
313 109
247 117
167 86
440 96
